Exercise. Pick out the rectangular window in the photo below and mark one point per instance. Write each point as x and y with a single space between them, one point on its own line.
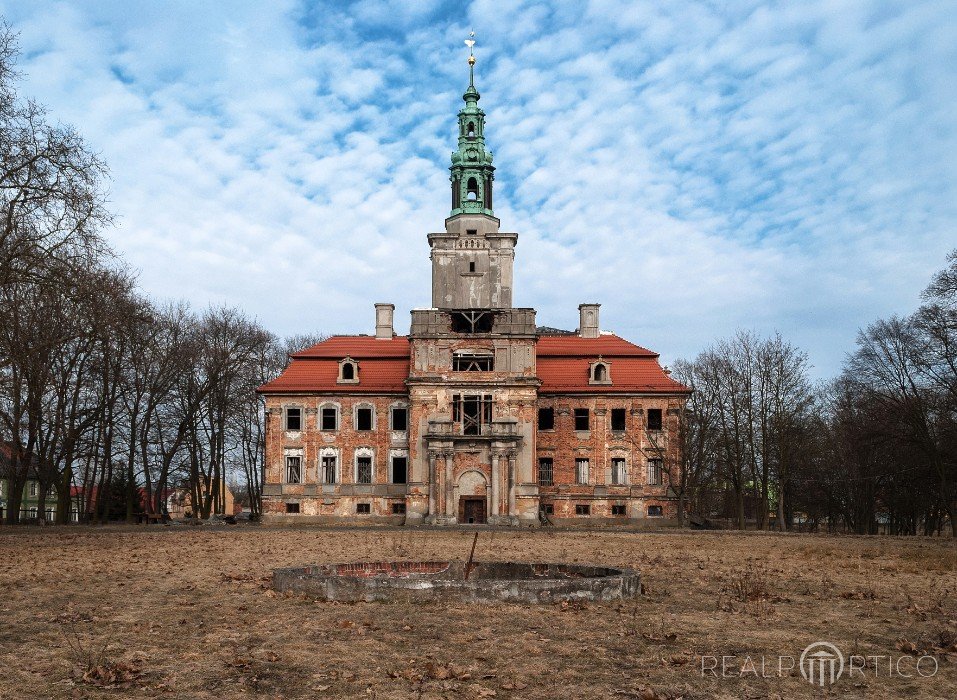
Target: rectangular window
472 361
581 419
329 469
654 419
364 470
618 471
618 419
546 419
549 509
400 469
33 488
654 472
329 418
364 418
293 419
292 507
400 418
398 509
581 471
581 509
546 472
654 511
293 470
472 413
618 510
363 508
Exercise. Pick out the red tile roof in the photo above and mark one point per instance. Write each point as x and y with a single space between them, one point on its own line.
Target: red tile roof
357 347
563 366
569 375
607 345
564 362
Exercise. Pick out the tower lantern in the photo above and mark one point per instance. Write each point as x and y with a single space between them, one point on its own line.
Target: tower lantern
472 172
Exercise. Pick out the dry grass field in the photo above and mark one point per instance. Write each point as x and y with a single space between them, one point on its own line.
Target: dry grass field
188 612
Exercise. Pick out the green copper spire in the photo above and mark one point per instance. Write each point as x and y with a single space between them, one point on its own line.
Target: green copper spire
472 171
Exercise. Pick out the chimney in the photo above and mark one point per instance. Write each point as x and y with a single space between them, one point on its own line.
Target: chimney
588 321
383 321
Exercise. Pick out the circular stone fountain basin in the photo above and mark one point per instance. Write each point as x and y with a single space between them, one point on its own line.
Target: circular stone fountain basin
488 581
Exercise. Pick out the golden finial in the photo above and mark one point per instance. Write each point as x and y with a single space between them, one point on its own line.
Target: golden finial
470 42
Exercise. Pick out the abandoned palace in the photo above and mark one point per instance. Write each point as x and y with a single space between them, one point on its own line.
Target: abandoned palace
478 415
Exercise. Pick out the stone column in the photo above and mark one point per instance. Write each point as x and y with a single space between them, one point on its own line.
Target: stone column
495 483
449 503
511 484
433 484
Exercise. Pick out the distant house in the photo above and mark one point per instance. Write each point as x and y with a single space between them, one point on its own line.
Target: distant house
29 506
179 503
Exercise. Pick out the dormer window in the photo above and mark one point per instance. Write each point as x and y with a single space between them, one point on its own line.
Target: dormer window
599 372
348 371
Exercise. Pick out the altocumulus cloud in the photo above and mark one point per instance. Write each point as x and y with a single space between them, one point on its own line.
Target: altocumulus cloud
695 168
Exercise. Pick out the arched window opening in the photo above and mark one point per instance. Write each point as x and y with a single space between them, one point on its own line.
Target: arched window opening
470 130
472 189
601 372
348 371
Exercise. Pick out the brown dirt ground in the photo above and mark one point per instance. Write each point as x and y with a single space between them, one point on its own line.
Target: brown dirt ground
188 612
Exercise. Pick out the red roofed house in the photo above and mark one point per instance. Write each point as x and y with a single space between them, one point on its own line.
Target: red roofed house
477 416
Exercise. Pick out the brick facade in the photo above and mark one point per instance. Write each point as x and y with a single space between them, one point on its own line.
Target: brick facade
473 374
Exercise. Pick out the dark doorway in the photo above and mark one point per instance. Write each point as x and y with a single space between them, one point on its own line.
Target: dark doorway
472 510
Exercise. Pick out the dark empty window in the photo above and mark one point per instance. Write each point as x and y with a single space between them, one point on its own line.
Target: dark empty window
618 510
348 370
548 509
293 419
472 362
472 266
400 468
654 511
581 419
471 231
398 509
618 419
293 470
473 414
329 418
470 130
546 472
617 471
364 470
601 372
292 507
581 509
654 419
472 322
546 419
328 473
363 508
472 192
364 418
400 418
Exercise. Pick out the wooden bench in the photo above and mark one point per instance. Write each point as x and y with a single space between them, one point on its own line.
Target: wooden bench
149 518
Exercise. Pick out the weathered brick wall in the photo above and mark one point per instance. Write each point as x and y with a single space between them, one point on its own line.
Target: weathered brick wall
346 439
600 445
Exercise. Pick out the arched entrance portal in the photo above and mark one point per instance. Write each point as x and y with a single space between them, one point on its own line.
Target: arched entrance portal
473 498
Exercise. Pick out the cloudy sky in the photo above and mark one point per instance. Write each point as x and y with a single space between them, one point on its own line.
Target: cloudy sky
696 167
